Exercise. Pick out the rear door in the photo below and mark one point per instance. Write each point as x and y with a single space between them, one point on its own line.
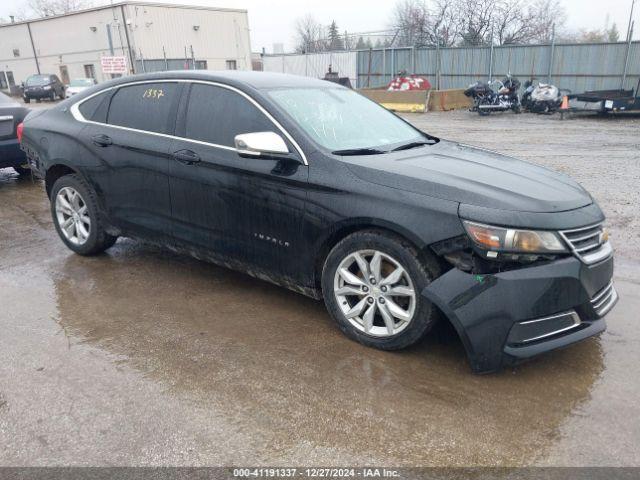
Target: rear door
246 210
130 137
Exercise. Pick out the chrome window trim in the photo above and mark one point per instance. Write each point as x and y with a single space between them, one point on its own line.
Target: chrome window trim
75 112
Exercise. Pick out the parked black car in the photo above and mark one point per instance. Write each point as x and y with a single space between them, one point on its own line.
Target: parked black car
312 186
43 86
11 115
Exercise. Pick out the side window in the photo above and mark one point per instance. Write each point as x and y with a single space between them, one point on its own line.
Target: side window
95 109
217 115
147 106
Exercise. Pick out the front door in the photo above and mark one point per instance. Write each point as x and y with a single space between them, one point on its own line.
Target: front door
133 147
241 210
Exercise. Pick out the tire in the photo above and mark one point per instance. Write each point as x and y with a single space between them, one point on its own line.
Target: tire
98 240
26 99
52 97
38 100
23 172
417 274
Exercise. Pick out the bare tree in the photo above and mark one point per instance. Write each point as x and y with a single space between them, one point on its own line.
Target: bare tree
547 14
309 35
444 24
419 24
47 8
477 18
476 22
411 22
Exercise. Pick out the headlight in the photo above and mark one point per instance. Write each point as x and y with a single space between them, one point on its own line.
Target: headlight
47 87
501 239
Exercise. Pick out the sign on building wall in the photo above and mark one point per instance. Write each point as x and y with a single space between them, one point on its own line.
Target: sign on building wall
117 64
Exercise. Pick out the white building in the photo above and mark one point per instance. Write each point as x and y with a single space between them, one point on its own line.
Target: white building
150 36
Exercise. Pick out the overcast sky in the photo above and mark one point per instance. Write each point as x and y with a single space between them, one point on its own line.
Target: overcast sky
273 21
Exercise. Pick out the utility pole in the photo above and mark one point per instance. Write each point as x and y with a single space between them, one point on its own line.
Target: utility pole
629 26
552 51
33 47
626 57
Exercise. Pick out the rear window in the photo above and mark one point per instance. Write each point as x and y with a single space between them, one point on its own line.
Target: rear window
95 109
145 107
36 80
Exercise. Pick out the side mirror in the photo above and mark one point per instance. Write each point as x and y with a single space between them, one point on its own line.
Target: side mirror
258 143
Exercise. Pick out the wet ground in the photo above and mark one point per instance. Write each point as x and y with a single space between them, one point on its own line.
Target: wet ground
142 357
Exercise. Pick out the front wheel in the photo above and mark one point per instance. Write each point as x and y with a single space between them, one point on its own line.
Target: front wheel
371 283
78 221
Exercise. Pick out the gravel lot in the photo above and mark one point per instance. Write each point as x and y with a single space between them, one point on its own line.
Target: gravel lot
141 357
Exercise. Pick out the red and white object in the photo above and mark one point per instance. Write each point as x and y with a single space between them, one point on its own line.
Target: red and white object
408 83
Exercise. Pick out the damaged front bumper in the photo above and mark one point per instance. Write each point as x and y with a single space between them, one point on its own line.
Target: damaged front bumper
506 317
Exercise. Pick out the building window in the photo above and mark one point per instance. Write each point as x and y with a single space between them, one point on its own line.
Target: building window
90 71
231 65
6 80
16 52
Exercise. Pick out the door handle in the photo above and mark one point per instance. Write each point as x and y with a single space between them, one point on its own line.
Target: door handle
102 140
188 157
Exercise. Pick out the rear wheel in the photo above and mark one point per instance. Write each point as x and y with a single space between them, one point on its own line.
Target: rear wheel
26 99
76 216
371 284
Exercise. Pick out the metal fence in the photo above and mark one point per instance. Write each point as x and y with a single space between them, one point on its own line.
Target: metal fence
163 65
577 67
314 64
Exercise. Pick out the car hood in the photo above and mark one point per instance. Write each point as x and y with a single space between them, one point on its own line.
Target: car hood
472 176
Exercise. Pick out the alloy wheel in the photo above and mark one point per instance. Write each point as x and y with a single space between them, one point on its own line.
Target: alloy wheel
375 293
73 216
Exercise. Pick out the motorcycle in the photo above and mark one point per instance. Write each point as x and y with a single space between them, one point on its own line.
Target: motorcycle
495 96
542 98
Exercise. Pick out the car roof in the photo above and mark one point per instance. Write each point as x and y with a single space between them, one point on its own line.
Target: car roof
239 78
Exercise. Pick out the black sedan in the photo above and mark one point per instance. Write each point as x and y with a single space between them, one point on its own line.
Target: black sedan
11 115
312 186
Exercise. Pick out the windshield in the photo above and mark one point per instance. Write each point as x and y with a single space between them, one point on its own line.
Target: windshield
35 80
81 82
341 119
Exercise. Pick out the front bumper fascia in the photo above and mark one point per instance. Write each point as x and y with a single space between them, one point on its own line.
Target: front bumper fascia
491 312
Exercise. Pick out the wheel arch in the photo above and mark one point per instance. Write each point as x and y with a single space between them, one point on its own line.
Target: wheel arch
343 229
54 172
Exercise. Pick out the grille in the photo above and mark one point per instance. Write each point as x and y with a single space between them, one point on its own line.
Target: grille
604 299
587 243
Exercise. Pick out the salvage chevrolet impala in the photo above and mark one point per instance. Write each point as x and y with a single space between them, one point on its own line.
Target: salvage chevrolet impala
310 185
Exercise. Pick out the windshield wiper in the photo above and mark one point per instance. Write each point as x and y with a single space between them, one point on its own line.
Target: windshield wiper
359 151
407 146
